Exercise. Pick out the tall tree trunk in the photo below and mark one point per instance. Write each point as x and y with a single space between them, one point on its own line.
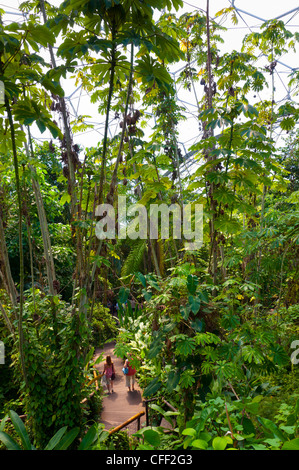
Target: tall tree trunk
48 254
6 274
21 254
80 274
110 94
209 97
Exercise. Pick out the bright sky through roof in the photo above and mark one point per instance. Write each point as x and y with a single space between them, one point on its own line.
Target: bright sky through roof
250 17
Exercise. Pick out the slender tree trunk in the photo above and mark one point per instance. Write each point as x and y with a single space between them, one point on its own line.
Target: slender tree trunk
99 192
67 132
259 255
21 254
50 266
209 93
7 276
7 321
80 274
110 196
110 94
48 254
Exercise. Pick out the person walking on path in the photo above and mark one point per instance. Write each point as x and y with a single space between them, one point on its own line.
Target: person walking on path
130 376
109 374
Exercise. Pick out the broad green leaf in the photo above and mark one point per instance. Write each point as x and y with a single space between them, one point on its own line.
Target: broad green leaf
3 422
248 425
205 436
103 435
158 408
123 295
189 432
20 429
89 438
291 445
55 131
259 447
56 439
153 387
192 283
226 225
42 35
280 357
194 303
200 444
220 443
204 296
198 325
67 440
152 437
274 442
200 425
173 380
186 379
155 347
288 429
142 279
41 125
147 295
52 86
9 442
184 344
185 311
65 198
269 425
250 111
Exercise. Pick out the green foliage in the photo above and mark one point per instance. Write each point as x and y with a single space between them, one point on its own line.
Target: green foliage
118 441
104 326
62 440
134 259
215 331
54 368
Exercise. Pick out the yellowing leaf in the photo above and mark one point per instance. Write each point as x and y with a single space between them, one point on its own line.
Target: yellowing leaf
185 45
224 11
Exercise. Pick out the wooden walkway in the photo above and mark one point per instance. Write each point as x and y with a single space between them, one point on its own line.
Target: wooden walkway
121 405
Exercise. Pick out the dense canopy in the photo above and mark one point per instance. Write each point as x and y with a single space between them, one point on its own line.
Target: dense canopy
184 255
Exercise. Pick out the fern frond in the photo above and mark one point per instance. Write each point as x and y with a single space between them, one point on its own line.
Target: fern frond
134 258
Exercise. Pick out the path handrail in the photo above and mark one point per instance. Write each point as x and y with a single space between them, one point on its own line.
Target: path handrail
95 378
130 420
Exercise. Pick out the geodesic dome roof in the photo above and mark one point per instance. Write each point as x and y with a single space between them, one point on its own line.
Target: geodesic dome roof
250 15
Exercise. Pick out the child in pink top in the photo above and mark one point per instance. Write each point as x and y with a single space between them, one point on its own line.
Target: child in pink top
108 371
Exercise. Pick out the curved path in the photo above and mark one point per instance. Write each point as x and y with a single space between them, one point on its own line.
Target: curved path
122 404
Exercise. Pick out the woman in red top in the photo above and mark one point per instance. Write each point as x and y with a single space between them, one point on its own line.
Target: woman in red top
108 371
130 376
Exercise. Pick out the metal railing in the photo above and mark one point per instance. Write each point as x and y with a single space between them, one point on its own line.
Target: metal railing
129 421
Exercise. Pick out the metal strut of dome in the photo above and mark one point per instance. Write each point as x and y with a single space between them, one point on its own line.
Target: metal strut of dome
79 106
